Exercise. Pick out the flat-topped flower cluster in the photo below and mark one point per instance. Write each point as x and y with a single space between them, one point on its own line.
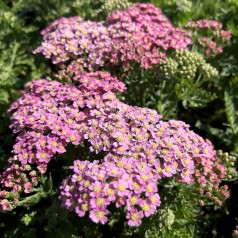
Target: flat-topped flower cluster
51 114
140 33
137 149
72 38
143 34
209 35
140 149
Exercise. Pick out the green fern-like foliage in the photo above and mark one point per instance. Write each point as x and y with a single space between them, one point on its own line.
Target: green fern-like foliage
231 108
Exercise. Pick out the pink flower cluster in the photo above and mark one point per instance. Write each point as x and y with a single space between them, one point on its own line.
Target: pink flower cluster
75 39
139 149
49 115
141 33
214 35
205 24
15 179
61 22
120 180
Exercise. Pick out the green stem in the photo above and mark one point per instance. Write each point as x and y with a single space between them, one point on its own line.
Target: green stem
160 106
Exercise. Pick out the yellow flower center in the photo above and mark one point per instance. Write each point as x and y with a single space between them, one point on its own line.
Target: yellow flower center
186 172
42 142
186 162
169 144
121 149
133 200
31 119
119 164
101 176
72 137
43 155
114 172
106 143
99 214
25 156
120 138
64 133
97 189
54 144
82 167
110 192
164 152
135 155
139 137
148 152
84 207
179 154
145 207
168 169
149 188
43 118
56 127
144 177
196 150
100 201
96 146
121 187
87 183
135 186
134 217
69 121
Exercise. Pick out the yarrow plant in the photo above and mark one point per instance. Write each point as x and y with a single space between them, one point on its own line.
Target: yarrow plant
187 64
59 113
140 33
134 42
140 149
72 38
228 162
143 34
124 154
209 35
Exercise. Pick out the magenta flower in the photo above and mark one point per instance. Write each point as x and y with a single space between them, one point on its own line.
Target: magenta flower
213 39
5 205
99 202
99 215
169 170
68 38
142 34
27 187
147 207
134 217
81 209
96 189
138 148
